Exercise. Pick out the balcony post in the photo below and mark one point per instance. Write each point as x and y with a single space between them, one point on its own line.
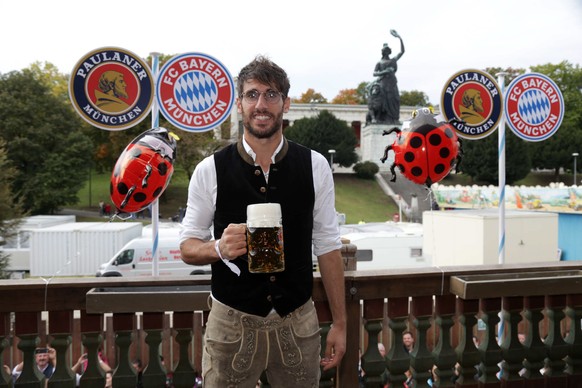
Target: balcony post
467 354
27 329
512 350
536 350
557 347
398 358
124 375
489 348
443 353
61 323
92 327
574 339
325 319
421 359
373 363
184 373
5 377
154 374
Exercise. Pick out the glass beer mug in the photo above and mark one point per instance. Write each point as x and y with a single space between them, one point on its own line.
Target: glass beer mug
265 238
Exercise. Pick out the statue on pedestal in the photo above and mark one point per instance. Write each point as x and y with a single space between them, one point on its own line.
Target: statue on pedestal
384 96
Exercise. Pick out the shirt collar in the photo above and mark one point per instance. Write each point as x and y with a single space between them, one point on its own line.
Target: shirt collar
252 154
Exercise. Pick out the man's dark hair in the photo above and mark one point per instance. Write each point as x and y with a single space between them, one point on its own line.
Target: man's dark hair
265 71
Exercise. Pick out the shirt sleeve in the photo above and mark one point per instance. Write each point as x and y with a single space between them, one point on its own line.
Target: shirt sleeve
201 204
326 237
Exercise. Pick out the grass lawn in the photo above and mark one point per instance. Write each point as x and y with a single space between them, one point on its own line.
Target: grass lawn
359 199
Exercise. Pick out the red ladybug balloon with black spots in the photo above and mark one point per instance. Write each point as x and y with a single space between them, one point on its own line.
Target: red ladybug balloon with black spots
427 151
143 170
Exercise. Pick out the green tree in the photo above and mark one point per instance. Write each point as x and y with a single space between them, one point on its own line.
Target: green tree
323 133
363 92
310 97
479 159
556 151
414 98
43 143
10 212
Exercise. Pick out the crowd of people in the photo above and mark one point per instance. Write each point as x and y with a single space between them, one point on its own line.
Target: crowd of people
45 361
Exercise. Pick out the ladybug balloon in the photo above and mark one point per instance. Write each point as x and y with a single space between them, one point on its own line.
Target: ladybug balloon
143 170
425 152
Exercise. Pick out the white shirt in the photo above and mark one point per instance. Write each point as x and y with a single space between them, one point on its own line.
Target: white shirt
202 202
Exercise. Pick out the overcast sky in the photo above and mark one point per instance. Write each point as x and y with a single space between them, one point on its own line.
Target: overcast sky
326 45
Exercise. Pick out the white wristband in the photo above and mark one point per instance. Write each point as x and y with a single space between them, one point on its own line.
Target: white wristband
230 265
217 249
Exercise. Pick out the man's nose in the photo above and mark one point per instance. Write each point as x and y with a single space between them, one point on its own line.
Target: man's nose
261 101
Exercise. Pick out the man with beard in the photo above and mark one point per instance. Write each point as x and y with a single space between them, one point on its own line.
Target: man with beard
265 322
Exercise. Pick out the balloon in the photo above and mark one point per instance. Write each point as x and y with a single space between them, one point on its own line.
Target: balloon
427 151
143 170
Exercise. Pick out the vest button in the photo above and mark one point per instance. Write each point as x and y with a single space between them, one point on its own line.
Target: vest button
263 189
269 298
257 172
272 278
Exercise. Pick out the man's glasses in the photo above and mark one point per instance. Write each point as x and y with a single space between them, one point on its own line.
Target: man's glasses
270 96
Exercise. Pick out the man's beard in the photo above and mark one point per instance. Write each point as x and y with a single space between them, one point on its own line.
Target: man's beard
263 133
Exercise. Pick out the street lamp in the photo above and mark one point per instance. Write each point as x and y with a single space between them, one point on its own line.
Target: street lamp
331 152
575 155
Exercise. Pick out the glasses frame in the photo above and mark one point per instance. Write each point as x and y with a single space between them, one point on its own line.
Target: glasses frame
268 100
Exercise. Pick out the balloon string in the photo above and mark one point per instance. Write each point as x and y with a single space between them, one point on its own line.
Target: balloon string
432 200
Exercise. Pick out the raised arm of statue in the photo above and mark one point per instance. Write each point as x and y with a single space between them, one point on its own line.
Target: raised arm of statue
396 35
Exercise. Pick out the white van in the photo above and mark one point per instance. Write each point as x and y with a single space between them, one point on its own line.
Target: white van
135 259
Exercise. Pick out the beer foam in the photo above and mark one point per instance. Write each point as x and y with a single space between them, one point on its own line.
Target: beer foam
267 214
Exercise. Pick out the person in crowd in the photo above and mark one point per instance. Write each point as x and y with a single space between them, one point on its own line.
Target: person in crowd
45 359
109 379
275 309
408 341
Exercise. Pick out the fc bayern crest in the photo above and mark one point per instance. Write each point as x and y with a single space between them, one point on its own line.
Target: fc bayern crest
195 92
472 100
534 107
111 88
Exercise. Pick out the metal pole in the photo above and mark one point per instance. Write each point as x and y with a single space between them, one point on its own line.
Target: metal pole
575 155
501 157
155 206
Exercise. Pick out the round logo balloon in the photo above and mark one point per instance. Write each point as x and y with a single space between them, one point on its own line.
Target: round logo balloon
534 106
111 88
471 101
195 92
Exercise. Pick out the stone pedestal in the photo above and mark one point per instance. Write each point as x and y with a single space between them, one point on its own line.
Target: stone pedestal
373 144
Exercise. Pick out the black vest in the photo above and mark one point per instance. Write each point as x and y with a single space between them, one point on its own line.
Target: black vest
241 183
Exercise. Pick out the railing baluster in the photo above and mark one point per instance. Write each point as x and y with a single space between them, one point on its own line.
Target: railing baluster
373 363
513 352
154 375
467 354
124 374
325 318
421 359
27 329
443 353
398 358
489 348
557 347
61 323
184 373
574 339
536 350
5 377
92 327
